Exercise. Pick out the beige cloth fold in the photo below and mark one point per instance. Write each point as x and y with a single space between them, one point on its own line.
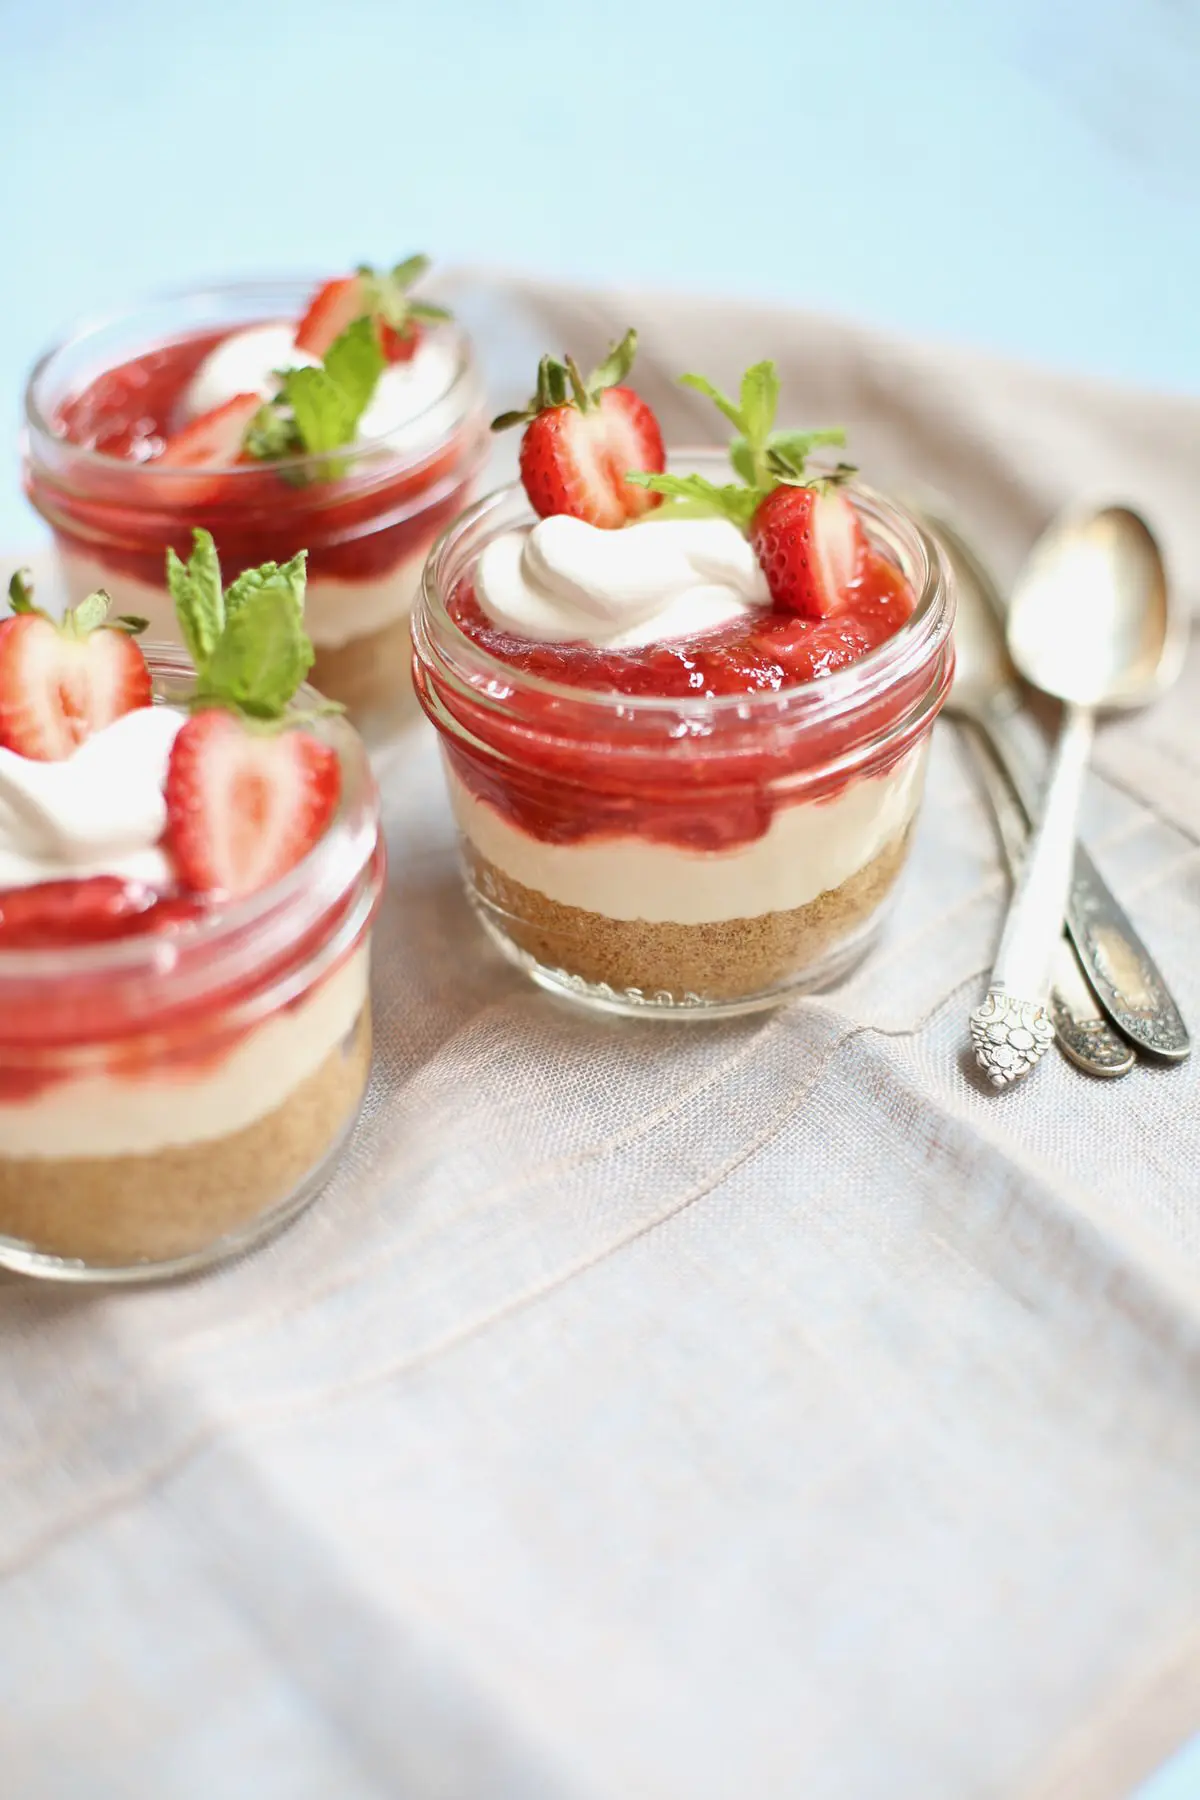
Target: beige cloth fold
679 1414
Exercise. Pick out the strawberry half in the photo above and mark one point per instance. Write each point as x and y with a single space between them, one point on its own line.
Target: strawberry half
213 441
62 681
245 805
811 546
369 293
582 438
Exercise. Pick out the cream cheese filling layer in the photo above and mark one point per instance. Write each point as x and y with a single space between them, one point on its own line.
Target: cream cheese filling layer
102 1115
809 849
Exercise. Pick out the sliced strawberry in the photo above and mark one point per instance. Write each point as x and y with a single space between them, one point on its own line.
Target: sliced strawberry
582 438
333 307
243 805
381 294
73 912
811 546
60 682
213 440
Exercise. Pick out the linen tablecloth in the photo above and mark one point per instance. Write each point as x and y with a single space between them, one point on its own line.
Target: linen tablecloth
701 1413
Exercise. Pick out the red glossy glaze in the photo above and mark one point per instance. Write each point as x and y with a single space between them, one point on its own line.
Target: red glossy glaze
773 650
44 1022
355 528
554 771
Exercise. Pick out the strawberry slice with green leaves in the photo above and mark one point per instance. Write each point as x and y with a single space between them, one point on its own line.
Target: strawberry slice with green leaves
583 436
381 295
63 679
806 535
249 791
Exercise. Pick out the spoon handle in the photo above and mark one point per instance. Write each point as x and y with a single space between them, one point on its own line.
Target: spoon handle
1012 1028
1124 976
1084 1035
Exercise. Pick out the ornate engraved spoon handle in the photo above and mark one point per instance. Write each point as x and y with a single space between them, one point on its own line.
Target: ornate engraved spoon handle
1084 1035
1124 976
1012 1029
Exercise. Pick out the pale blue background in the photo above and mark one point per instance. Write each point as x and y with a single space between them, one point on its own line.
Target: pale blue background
1022 174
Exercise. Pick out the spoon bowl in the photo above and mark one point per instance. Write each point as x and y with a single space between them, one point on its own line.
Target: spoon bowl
1089 620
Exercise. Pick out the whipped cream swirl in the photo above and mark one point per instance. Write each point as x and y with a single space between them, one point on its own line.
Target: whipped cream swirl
563 580
406 394
99 812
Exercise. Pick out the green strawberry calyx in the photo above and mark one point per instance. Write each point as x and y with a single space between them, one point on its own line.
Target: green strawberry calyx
92 613
562 384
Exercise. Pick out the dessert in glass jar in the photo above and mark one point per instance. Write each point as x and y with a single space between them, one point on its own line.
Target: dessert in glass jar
349 420
190 861
684 714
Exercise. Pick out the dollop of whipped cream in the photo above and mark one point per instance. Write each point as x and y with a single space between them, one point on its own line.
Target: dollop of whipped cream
99 812
563 579
406 394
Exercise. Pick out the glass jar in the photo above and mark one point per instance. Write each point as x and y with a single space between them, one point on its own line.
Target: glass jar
685 858
168 1099
367 527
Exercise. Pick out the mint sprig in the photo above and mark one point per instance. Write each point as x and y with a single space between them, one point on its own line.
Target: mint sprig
247 641
317 410
762 457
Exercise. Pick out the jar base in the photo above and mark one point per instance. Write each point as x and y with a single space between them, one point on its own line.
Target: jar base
23 1259
687 1008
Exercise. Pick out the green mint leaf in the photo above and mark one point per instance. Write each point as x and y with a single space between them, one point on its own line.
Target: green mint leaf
325 416
272 433
792 449
738 504
89 615
701 385
425 309
616 365
760 402
742 458
404 274
355 361
195 587
262 656
289 579
20 592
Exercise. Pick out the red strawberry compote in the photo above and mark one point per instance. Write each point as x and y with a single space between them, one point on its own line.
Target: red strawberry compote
185 917
175 416
672 795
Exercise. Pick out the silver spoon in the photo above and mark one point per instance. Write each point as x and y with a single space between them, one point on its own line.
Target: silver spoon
986 695
1089 624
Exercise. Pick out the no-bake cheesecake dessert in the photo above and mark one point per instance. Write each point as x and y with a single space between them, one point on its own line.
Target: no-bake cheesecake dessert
684 710
190 861
348 418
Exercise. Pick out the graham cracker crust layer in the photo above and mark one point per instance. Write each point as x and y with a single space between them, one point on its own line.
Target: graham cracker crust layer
370 676
114 1211
727 959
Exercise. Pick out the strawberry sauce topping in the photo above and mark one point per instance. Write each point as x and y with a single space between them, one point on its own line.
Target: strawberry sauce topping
771 650
117 512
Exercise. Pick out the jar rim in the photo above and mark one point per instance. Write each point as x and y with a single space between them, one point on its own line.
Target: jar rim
452 654
463 383
238 938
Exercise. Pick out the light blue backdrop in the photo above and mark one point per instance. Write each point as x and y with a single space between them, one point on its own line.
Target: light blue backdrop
1016 174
